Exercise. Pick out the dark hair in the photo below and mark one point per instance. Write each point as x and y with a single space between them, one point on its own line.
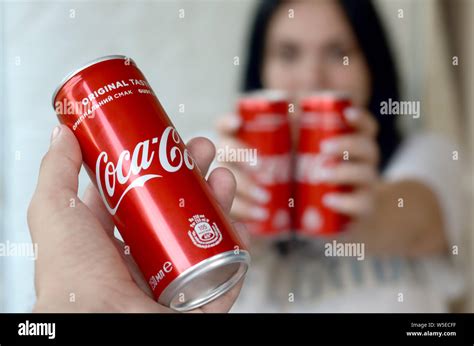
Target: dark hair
371 38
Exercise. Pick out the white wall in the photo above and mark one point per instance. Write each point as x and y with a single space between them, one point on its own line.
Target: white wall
188 61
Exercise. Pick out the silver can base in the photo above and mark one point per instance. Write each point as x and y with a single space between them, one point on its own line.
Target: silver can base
205 281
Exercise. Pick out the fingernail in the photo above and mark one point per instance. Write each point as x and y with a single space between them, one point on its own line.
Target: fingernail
351 113
330 200
328 146
325 173
234 122
258 213
260 195
55 134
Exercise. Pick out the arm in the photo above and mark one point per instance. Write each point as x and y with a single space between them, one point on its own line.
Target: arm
414 229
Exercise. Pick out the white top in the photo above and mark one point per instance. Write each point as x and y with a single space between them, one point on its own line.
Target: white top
307 281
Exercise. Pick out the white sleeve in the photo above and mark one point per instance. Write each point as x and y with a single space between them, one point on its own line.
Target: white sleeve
429 159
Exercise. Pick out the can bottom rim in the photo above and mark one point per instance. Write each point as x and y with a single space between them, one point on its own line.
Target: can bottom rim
205 281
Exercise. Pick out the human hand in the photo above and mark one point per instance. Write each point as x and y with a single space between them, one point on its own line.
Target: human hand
250 198
81 266
359 171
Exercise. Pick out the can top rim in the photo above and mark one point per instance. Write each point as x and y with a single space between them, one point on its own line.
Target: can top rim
83 67
265 94
335 94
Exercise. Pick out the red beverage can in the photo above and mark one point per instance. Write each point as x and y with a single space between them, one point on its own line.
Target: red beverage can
178 235
265 129
322 117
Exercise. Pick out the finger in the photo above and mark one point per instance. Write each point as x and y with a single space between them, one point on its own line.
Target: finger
61 164
203 151
227 147
346 173
62 227
362 120
243 232
94 202
228 124
223 185
243 210
57 181
352 147
132 267
357 203
247 189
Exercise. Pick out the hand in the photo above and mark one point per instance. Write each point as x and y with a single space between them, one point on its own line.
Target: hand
81 266
250 197
359 171
384 229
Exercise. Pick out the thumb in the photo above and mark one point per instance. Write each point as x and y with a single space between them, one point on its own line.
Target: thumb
57 181
61 164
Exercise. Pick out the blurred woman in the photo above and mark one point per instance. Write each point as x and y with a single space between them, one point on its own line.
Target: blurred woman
300 46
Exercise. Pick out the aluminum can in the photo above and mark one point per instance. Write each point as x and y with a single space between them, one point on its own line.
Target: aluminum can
321 118
265 129
178 235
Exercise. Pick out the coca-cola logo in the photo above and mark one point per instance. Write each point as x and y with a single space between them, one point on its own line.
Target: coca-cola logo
310 167
265 122
322 120
133 168
272 169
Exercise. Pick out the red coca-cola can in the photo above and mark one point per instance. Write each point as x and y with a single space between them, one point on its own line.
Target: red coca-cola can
321 118
164 210
265 129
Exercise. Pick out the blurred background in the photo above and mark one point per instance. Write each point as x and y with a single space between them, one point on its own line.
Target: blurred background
193 53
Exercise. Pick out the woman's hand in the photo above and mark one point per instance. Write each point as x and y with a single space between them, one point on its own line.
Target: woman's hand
81 266
384 228
249 197
358 169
